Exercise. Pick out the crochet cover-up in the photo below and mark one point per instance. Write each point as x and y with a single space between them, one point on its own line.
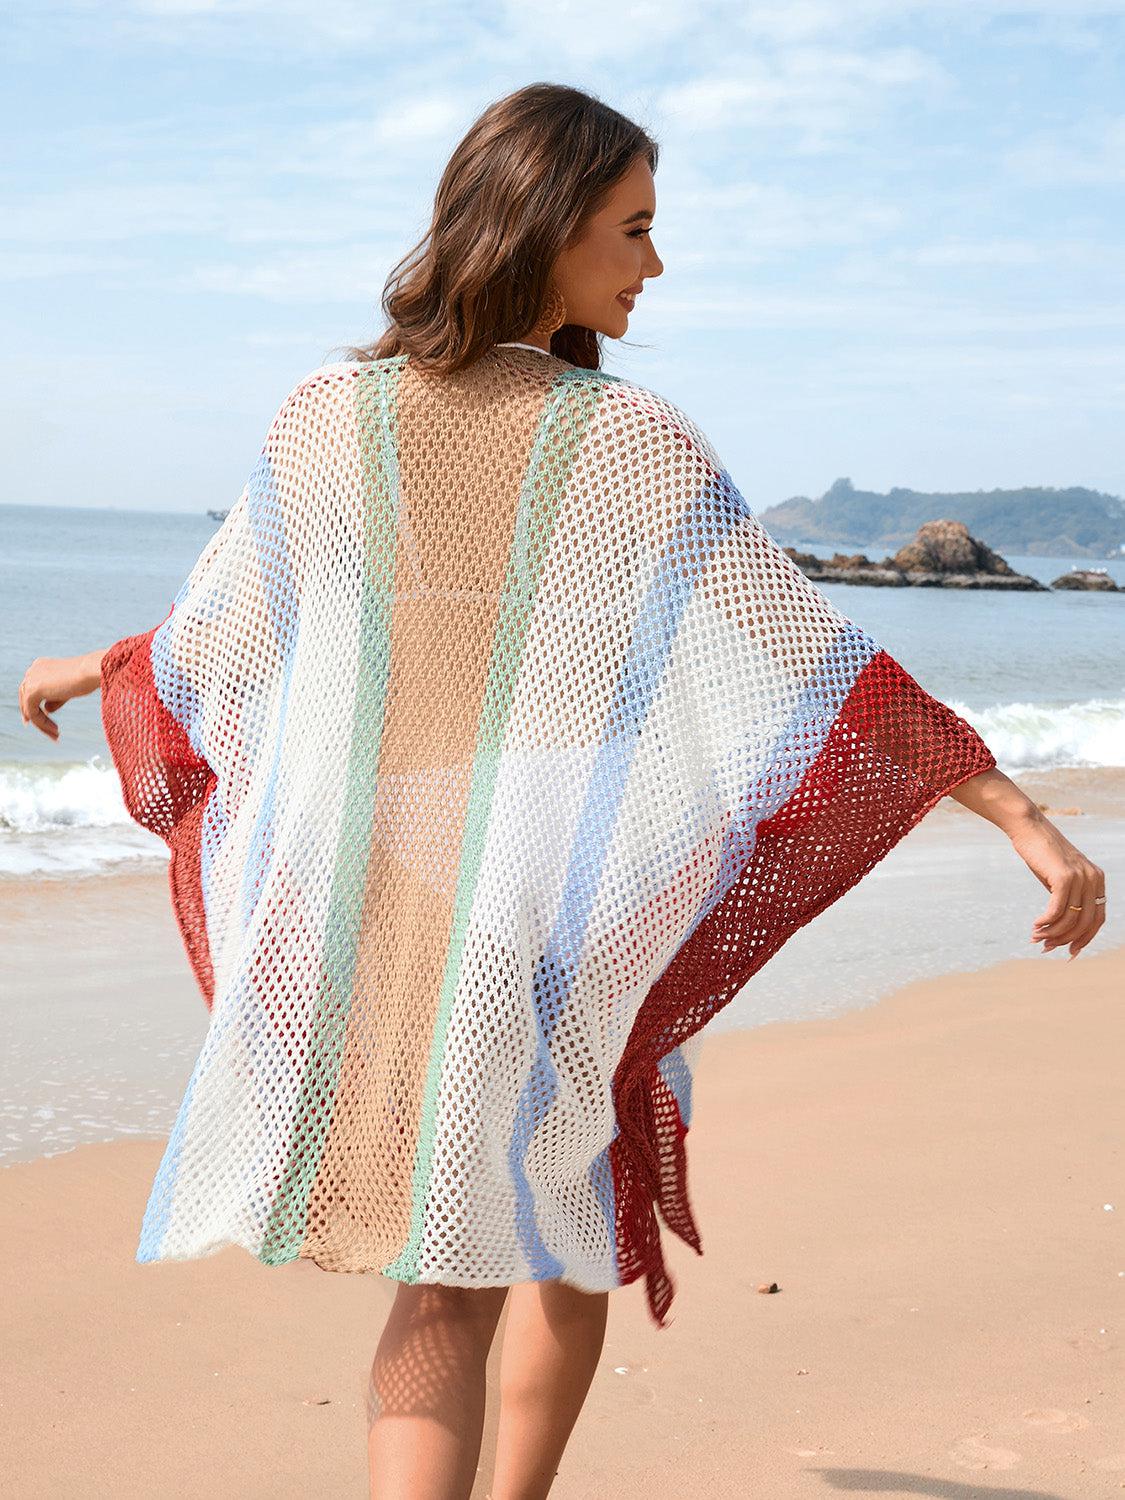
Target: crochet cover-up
496 746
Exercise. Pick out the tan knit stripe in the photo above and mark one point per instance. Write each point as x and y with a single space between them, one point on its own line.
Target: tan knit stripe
455 526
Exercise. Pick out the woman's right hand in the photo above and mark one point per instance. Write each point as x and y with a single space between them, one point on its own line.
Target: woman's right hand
51 681
1073 914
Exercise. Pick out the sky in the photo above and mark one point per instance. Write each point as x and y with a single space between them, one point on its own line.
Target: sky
891 229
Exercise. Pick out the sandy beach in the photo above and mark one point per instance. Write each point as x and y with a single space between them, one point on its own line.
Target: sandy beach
934 1183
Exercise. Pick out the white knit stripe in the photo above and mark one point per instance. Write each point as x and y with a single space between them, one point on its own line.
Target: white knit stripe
491 1038
558 710
248 1081
677 806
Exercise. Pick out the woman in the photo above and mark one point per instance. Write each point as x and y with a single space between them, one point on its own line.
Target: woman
496 746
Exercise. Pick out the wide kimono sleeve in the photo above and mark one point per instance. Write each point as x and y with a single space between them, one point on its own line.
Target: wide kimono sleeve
799 750
189 707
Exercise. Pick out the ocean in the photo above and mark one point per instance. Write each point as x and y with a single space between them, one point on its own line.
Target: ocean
1040 676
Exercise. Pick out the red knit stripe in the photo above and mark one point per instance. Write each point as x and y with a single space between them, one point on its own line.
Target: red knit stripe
892 752
164 781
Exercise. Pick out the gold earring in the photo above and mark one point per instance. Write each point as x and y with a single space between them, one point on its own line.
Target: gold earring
553 315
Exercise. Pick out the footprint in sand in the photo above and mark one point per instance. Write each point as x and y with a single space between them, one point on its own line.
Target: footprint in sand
1093 1343
632 1389
975 1453
1054 1419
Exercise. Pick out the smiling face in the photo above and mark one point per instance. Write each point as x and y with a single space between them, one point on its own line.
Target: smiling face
601 274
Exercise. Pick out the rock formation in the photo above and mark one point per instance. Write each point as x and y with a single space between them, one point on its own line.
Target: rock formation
1087 578
942 555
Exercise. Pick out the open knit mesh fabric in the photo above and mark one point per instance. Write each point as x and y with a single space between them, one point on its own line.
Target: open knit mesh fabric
496 746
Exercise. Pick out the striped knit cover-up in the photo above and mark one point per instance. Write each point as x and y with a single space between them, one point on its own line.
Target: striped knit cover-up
496 746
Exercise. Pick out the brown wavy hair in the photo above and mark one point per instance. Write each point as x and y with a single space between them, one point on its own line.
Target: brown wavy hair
519 187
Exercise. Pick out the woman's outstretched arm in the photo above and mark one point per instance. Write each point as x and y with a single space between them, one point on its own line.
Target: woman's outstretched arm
51 681
996 797
1074 913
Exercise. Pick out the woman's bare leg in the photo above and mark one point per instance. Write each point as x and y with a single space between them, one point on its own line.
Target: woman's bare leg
427 1390
552 1343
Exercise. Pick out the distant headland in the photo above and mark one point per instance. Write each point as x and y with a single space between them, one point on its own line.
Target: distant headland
1034 522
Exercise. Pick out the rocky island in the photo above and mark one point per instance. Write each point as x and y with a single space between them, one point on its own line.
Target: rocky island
943 554
1087 578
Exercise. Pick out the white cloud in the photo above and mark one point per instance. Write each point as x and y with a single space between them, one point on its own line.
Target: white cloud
576 31
588 28
1091 151
175 8
977 253
738 223
821 93
380 145
93 215
340 274
89 213
41 264
907 314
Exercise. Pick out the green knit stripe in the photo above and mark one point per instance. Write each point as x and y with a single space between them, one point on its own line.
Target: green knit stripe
376 394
